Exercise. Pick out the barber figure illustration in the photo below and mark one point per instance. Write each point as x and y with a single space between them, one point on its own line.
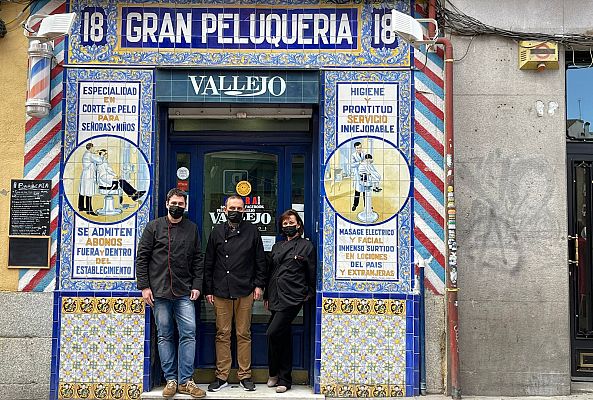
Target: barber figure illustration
88 183
355 159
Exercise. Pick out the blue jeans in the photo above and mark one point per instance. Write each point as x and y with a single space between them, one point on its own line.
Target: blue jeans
166 311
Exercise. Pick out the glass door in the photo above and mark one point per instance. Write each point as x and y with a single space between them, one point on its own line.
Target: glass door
580 250
270 179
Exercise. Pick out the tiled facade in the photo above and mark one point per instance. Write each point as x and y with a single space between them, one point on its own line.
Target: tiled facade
367 318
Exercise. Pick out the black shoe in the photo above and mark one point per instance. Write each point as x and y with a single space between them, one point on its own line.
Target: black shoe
138 195
217 385
377 189
92 213
354 208
247 384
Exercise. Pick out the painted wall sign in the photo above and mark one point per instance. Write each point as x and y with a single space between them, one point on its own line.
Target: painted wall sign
367 181
106 176
272 33
174 85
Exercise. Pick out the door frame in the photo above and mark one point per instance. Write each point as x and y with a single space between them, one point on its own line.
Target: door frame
576 151
306 140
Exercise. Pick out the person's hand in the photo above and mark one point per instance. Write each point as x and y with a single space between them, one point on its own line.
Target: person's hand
147 296
210 299
257 294
266 304
195 293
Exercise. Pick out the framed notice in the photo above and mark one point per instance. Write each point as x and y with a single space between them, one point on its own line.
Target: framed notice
30 207
29 251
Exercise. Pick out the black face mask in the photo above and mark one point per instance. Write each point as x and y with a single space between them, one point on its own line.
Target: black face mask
235 216
290 230
176 211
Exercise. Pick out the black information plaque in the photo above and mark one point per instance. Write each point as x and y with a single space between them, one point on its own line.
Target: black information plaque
30 207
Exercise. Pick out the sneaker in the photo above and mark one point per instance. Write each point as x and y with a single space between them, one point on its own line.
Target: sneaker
217 385
272 381
247 384
170 388
192 389
281 389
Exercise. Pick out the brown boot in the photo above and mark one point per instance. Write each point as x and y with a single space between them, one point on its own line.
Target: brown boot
192 389
170 389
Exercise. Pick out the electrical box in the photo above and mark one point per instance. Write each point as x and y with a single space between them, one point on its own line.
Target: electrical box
538 55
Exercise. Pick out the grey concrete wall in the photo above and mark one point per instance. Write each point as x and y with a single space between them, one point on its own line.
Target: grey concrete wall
25 345
435 343
512 209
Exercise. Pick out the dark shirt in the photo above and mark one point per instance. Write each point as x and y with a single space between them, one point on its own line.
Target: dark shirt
292 276
235 262
169 259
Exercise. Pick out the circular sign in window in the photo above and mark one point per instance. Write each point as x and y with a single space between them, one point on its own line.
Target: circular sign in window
183 173
367 180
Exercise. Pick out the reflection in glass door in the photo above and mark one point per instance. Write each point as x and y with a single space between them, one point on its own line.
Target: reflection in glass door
270 179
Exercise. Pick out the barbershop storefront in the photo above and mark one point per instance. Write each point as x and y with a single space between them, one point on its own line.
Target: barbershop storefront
306 105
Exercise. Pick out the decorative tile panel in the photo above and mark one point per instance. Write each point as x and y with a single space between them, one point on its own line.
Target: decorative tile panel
108 147
273 33
101 348
367 149
363 347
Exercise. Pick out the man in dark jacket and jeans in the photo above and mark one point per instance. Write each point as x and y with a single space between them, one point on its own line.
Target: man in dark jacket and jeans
169 269
235 275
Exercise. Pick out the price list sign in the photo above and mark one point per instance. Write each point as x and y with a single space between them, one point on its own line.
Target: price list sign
30 207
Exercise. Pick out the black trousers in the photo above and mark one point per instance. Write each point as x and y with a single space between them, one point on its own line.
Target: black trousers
85 203
280 345
126 187
357 199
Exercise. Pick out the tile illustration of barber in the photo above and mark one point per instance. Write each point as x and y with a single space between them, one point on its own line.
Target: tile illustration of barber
88 183
107 179
368 174
234 276
355 159
169 272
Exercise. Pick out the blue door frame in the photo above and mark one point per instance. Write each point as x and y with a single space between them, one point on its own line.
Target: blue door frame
284 145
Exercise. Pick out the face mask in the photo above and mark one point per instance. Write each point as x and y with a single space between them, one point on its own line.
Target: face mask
290 230
235 216
176 211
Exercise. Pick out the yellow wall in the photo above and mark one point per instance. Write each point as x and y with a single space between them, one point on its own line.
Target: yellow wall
13 89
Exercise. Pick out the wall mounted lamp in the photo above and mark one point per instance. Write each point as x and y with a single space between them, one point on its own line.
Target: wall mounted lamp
41 53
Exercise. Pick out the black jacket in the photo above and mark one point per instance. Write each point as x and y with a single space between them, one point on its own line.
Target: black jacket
292 274
170 271
235 262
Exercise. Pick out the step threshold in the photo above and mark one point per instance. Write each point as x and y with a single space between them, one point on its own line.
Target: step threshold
234 391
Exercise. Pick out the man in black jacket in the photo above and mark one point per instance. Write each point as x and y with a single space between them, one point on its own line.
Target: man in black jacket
169 270
234 276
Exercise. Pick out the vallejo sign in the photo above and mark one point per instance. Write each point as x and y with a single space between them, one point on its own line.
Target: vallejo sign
200 85
237 85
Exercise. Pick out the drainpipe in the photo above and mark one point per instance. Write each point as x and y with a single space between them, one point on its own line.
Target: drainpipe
451 288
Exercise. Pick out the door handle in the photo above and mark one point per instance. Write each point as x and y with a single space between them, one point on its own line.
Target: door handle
576 250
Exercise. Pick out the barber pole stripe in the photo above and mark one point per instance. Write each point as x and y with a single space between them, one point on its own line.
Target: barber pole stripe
429 172
43 138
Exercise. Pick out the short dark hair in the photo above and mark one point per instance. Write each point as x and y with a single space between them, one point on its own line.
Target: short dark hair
233 197
102 151
287 214
89 145
356 144
176 192
368 156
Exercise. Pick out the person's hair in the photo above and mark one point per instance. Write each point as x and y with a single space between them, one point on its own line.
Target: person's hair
176 192
102 151
356 144
287 214
233 197
89 146
368 156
